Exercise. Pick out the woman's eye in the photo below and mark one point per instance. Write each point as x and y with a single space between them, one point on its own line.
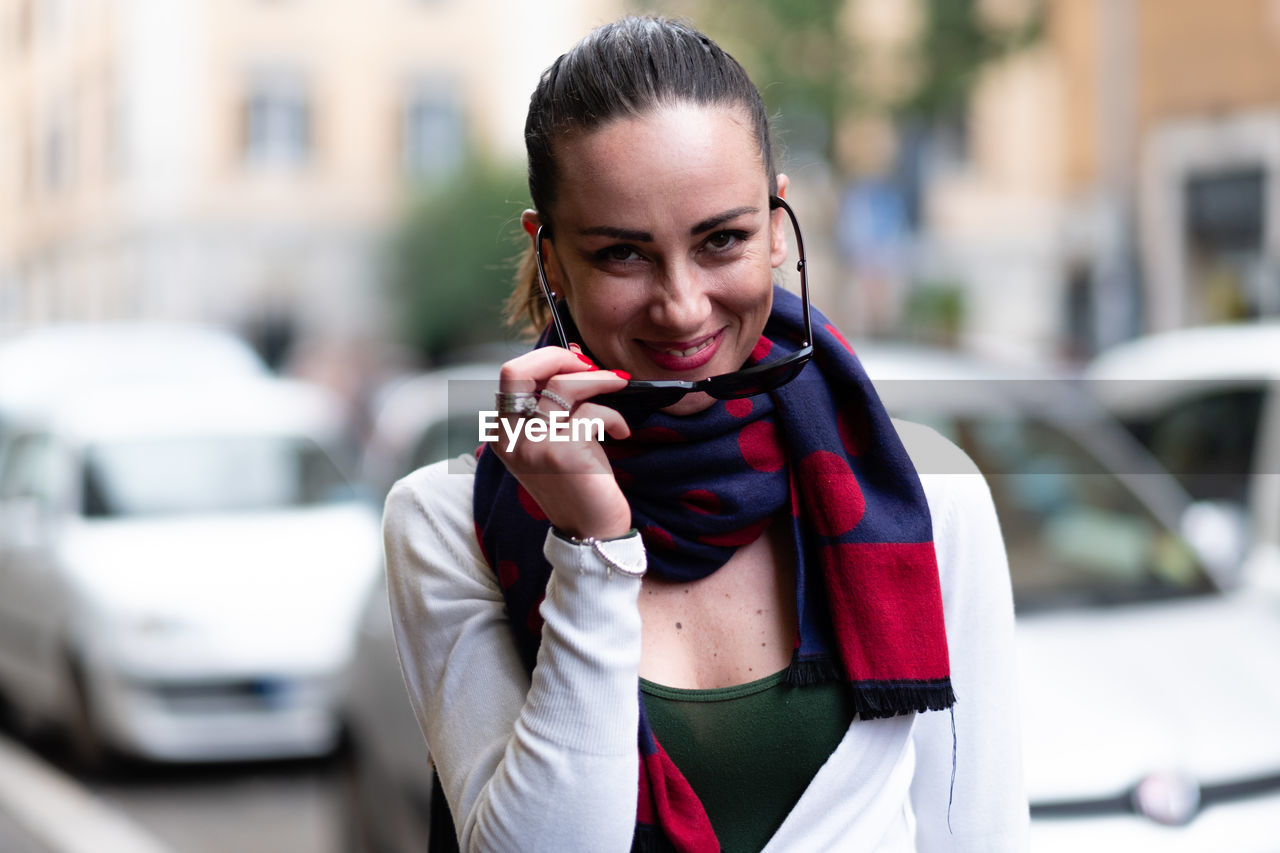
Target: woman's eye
617 254
721 240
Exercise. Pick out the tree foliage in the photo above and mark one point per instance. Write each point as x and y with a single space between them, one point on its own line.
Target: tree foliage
792 50
802 55
453 260
954 47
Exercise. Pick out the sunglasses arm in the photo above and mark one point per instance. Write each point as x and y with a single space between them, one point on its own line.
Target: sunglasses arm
802 265
547 292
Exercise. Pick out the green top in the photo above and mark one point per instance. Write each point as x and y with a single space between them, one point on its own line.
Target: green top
749 751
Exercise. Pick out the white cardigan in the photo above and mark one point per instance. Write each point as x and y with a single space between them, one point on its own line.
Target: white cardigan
550 763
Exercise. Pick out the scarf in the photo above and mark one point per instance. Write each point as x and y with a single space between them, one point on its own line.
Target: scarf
820 451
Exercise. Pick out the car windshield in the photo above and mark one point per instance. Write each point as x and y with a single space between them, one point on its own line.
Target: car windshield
208 474
1076 534
1208 441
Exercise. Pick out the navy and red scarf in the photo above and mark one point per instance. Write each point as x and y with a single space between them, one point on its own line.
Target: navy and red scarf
821 450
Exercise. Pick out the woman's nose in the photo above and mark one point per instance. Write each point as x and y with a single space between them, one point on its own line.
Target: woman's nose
681 302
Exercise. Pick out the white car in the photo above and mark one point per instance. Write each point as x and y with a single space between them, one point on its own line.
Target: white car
1149 692
181 568
83 354
388 797
1206 401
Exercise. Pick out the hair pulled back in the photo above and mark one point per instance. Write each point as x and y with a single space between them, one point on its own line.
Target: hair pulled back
621 70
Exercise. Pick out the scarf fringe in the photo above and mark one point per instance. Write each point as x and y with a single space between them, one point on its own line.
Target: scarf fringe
806 673
648 840
874 700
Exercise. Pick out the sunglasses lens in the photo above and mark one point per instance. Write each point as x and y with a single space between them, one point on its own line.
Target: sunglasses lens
640 397
760 384
760 379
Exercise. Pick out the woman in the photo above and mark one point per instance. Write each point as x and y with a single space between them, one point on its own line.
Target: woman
734 623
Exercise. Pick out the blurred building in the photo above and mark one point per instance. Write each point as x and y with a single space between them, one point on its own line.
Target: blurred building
1122 176
241 161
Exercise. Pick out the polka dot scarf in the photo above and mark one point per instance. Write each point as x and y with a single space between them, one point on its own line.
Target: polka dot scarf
820 452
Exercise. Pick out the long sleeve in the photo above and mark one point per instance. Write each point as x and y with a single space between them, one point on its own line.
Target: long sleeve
986 808
547 764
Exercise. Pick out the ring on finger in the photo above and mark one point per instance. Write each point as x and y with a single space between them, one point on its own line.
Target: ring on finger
519 404
556 398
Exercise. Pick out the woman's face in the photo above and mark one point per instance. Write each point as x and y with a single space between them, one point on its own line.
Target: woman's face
664 243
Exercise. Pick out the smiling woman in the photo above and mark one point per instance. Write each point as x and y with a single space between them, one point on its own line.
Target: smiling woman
665 242
753 540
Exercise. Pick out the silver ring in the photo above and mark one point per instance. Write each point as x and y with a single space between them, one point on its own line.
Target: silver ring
556 398
520 404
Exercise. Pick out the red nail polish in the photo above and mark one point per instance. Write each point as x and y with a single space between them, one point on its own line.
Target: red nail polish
623 374
586 360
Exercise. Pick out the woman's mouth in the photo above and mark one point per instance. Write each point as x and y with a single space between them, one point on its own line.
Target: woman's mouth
681 356
685 353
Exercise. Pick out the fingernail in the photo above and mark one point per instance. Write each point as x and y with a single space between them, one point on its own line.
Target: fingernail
623 374
586 360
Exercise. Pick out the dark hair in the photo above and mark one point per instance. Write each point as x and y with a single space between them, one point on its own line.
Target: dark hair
624 69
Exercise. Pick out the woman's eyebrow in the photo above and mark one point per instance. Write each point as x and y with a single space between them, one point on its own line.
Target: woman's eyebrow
617 233
637 236
719 219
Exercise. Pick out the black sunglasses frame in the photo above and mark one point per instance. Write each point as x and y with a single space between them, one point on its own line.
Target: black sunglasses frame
653 394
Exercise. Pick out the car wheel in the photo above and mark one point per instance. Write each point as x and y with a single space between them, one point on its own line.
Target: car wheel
19 720
357 833
87 751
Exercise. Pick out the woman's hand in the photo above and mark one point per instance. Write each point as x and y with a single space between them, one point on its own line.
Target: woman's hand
571 480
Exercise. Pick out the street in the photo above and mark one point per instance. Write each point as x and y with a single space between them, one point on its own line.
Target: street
248 808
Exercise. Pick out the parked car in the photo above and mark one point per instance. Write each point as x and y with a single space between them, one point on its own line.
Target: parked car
389 795
390 802
423 418
82 354
181 568
1128 648
86 354
1206 402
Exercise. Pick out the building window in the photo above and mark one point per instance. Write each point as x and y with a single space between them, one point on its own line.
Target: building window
51 18
1225 209
23 27
116 134
56 153
55 156
27 166
433 135
1224 225
277 121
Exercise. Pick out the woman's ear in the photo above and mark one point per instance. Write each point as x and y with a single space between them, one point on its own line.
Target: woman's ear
530 222
778 229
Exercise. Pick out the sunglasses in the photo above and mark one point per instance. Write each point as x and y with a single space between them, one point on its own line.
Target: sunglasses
642 396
